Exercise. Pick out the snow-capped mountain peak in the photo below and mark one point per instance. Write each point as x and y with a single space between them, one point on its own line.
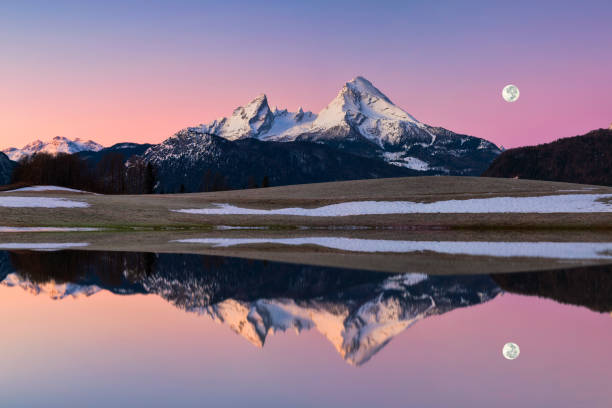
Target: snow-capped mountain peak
374 103
250 120
58 144
361 106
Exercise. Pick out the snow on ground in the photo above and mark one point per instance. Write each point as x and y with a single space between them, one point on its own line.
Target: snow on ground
42 245
412 163
574 203
40 202
47 229
238 227
558 250
45 188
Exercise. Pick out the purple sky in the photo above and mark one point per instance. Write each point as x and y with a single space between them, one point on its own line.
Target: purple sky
140 71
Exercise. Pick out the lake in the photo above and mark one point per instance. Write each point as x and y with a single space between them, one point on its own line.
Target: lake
101 328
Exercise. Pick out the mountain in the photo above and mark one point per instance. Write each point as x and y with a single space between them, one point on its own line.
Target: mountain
359 312
126 150
583 159
6 169
363 121
257 120
193 160
58 144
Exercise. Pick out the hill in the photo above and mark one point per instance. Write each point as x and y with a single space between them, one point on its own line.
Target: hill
583 159
6 169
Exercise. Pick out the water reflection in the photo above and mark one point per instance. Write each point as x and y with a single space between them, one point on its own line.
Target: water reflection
359 312
590 287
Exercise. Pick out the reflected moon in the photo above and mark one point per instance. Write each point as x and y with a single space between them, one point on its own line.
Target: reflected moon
510 93
511 351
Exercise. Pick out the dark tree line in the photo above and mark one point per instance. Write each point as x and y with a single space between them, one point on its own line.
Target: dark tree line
111 175
581 159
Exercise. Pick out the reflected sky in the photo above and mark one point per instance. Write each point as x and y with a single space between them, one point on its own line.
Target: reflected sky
149 335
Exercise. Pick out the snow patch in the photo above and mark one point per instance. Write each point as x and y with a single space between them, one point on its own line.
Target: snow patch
399 282
42 246
45 188
576 203
238 227
413 163
556 250
47 229
40 202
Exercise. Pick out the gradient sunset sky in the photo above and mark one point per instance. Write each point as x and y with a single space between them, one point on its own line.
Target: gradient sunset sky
138 71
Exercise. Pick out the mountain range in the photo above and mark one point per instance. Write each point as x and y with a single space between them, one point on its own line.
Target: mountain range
361 133
363 121
58 144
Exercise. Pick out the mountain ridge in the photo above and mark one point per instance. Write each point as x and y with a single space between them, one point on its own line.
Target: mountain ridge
361 133
59 144
192 161
364 121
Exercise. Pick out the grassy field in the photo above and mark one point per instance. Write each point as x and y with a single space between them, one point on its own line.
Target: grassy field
146 223
154 211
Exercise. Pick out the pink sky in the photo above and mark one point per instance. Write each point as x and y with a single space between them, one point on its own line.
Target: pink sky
141 348
118 73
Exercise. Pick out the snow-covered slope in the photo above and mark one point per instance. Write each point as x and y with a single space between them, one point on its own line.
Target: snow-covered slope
362 120
58 144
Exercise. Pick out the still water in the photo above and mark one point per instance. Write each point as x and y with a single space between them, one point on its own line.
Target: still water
156 330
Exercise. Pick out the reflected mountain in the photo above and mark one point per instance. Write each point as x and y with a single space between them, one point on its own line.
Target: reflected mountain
359 312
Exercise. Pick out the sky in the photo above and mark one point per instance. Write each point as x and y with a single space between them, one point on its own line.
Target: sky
139 71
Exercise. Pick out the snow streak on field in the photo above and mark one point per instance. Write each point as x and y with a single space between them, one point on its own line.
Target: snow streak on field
45 188
569 203
47 229
558 250
43 246
40 202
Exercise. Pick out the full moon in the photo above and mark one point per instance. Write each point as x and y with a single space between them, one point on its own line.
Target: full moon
510 93
511 351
